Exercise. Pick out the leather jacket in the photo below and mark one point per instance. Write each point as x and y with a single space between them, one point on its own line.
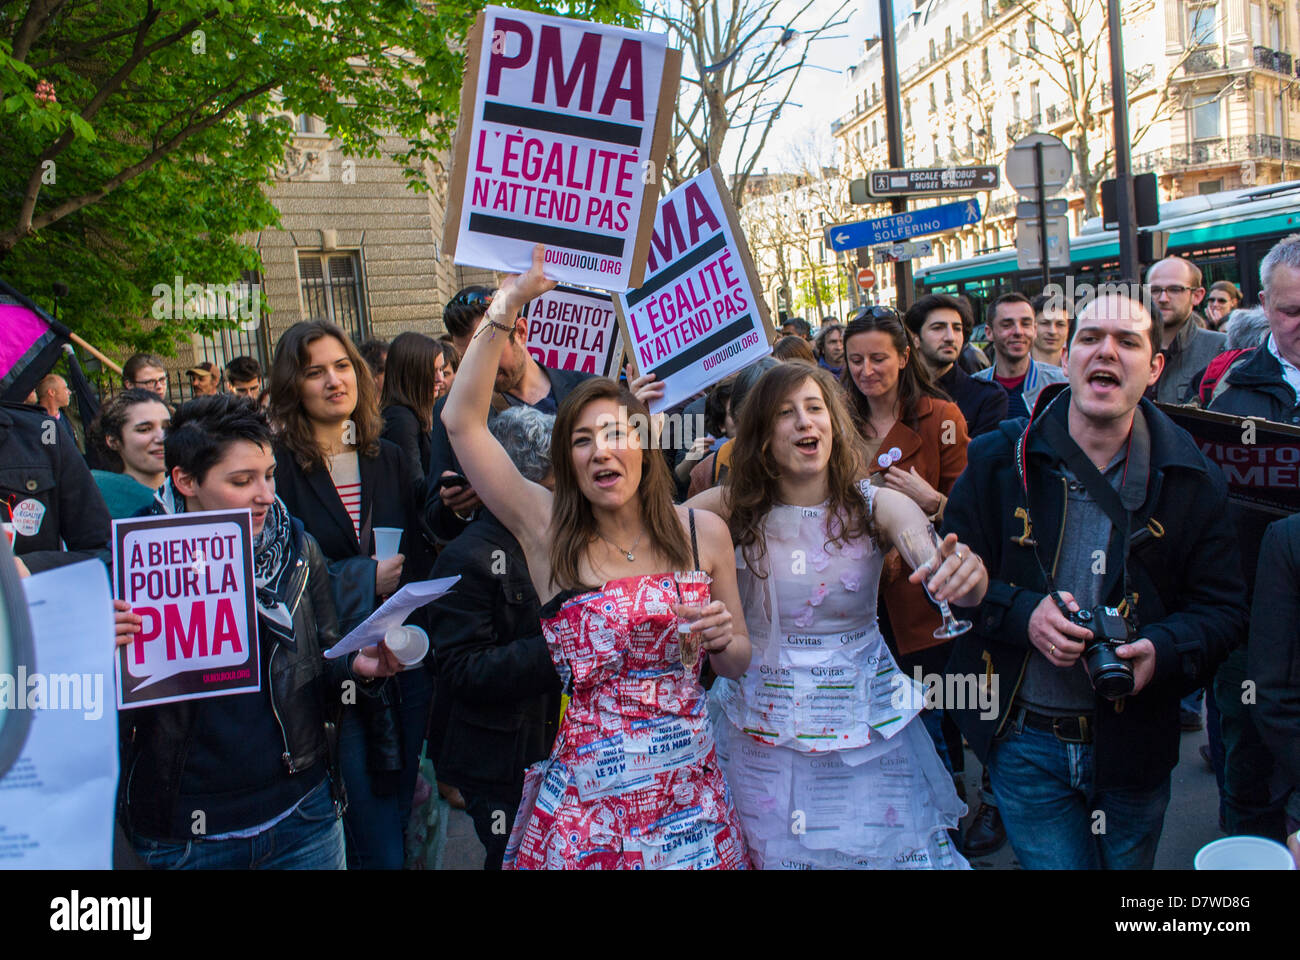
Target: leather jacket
305 695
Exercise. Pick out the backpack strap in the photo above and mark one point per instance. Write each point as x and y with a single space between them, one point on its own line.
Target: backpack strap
695 546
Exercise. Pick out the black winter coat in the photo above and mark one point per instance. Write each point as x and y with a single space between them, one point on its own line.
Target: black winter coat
402 427
1274 651
983 404
1256 388
493 663
1183 563
55 476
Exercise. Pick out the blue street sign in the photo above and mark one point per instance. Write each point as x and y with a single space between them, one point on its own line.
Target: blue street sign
914 223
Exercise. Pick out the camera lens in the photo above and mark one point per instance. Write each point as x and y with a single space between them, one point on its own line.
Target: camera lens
1112 677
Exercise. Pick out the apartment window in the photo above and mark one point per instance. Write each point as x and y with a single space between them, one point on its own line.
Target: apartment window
875 137
965 24
305 123
1256 23
984 63
333 289
947 39
947 88
874 95
1209 186
934 105
1261 112
1275 28
988 9
1013 56
907 112
1205 118
970 136
1035 104
1202 30
934 147
965 76
1031 35
934 54
1015 107
952 145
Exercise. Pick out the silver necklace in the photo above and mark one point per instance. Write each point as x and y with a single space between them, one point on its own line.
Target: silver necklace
628 552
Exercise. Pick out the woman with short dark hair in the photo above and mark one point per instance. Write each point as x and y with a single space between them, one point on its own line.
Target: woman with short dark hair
128 436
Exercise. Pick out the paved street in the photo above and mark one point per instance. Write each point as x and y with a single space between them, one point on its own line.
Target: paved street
1190 823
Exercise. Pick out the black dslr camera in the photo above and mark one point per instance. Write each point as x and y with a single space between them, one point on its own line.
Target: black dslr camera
1112 677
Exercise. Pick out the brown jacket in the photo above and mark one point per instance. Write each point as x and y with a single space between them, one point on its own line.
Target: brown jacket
911 614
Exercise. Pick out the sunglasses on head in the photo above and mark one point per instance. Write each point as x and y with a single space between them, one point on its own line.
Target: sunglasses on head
474 299
877 313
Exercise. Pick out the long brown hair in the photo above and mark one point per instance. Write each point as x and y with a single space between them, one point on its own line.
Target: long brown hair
913 380
409 375
753 486
287 413
573 525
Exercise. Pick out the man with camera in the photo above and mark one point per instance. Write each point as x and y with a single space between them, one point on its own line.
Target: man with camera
1115 588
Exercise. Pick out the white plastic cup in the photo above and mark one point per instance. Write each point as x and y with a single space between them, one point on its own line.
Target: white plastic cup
387 542
409 644
1243 853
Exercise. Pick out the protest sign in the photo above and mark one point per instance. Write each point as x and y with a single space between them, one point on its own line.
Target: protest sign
700 315
563 128
573 329
190 578
1260 459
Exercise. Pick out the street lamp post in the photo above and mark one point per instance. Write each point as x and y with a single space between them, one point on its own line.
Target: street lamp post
894 136
1125 210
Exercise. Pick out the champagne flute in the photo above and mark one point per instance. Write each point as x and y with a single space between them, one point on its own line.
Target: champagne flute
919 546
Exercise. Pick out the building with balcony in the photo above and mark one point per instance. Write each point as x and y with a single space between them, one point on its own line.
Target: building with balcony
1210 86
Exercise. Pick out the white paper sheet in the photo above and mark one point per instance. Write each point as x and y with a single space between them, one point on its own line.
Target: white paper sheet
391 612
57 802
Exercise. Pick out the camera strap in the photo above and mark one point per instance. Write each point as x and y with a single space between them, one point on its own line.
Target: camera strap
1118 505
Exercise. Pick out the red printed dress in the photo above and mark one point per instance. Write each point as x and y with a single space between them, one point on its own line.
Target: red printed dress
633 782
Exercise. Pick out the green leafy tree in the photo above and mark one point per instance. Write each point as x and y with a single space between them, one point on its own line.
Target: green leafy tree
138 136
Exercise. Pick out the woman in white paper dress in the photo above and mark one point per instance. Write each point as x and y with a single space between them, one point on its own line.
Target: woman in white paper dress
826 759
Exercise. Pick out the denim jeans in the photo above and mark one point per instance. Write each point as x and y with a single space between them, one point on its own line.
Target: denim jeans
1057 820
310 838
1249 807
375 822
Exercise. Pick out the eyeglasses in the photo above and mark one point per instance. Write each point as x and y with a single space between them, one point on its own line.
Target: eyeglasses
1219 299
475 299
154 383
1174 291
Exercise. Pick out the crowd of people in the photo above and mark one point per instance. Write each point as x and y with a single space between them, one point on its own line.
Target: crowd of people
732 649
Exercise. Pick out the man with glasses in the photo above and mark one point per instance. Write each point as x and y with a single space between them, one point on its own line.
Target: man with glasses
1174 287
147 371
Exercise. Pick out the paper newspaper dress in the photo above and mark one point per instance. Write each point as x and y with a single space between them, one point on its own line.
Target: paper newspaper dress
633 781
820 740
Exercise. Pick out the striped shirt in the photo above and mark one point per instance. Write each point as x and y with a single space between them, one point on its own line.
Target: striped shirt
345 471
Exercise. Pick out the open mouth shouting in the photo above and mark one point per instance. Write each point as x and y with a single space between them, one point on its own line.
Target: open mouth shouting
604 479
1104 381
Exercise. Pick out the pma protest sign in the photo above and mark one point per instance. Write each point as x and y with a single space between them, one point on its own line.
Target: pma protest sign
1260 459
190 578
574 329
699 316
563 127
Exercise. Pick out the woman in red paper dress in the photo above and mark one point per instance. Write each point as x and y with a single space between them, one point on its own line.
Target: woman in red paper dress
635 588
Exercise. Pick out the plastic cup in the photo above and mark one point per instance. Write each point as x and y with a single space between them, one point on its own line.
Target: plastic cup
409 644
387 542
1244 853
